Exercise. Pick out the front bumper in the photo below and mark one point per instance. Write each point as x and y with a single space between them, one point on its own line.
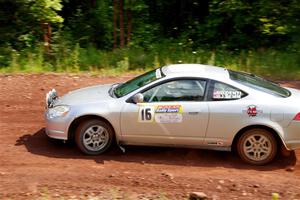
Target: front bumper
57 128
56 134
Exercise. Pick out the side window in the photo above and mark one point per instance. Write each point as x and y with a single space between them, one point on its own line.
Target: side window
222 91
178 90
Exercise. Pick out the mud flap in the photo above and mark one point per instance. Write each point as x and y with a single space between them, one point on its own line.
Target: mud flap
122 148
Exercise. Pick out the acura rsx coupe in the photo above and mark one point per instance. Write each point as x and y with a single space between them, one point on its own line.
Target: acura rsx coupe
184 105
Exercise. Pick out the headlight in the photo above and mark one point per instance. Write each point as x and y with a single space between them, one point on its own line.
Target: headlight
57 111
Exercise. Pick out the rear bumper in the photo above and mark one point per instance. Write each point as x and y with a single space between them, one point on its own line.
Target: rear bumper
292 136
293 145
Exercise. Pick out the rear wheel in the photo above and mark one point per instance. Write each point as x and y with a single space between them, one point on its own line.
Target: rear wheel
257 146
94 137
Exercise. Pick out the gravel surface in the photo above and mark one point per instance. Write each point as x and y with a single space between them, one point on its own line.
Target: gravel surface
34 167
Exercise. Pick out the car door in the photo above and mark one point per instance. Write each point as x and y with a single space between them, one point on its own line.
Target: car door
173 112
228 113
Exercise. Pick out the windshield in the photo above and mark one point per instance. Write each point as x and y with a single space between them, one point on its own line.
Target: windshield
259 83
133 84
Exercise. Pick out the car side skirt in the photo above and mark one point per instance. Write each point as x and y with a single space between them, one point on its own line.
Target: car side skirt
208 147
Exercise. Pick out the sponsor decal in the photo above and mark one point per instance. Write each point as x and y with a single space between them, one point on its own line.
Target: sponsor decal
160 113
168 109
253 111
168 118
168 114
146 113
227 94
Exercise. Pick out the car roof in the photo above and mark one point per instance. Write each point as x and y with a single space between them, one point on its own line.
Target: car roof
195 70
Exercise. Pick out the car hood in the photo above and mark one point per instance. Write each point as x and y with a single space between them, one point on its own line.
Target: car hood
91 94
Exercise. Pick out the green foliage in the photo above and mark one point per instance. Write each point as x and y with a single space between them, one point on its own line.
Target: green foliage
21 21
14 66
259 36
44 10
89 25
267 62
75 58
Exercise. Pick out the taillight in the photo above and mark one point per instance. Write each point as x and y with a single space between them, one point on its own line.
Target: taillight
297 117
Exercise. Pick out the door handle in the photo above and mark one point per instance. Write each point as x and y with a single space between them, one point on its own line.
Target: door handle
194 113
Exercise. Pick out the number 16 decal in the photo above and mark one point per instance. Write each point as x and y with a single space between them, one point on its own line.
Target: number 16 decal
146 114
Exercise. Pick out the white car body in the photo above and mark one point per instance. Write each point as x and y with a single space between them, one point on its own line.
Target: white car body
206 123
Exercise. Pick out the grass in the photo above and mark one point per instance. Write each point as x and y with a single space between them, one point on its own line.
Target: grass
266 62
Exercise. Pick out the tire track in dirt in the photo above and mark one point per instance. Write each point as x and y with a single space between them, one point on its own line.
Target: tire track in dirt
31 165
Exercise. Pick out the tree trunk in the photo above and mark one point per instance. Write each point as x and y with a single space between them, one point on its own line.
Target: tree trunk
122 39
129 24
93 3
47 36
115 18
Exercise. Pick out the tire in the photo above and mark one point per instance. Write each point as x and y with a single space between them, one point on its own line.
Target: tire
94 137
257 147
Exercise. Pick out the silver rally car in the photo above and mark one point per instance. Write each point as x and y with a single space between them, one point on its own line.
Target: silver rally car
185 105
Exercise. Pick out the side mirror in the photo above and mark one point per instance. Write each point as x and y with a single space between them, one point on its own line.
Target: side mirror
138 98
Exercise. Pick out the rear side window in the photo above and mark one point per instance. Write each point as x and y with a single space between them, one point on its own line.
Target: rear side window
259 83
223 92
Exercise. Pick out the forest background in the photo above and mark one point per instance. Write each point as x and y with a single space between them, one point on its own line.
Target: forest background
118 36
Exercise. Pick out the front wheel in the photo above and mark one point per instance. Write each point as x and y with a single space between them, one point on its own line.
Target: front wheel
94 137
257 146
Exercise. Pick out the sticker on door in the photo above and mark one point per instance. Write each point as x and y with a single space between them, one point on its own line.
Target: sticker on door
168 114
160 113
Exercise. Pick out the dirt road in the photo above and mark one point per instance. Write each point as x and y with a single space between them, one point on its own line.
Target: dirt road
32 167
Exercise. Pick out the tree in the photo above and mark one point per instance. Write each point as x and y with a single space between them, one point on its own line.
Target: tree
115 22
45 12
129 21
121 18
